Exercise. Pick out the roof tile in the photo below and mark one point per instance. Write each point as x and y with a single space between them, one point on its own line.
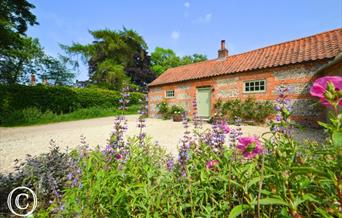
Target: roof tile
320 46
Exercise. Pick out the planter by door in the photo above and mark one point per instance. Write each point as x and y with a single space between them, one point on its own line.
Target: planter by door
204 102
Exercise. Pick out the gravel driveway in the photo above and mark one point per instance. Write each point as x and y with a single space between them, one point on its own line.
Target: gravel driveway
16 142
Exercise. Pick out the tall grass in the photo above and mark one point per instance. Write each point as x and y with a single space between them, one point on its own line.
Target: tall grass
33 116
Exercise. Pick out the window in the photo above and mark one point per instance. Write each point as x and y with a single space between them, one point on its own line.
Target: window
255 86
170 93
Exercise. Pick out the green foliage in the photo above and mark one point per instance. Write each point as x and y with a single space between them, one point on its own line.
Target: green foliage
55 70
292 179
163 59
176 109
115 58
105 185
15 16
57 99
249 109
166 111
17 63
32 116
44 174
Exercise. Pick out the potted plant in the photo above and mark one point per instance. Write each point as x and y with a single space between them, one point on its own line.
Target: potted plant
177 113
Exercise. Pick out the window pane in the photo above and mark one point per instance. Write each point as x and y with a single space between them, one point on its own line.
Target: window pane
170 93
262 83
247 89
257 88
252 88
262 87
256 83
247 85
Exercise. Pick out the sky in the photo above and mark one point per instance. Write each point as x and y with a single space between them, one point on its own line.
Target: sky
186 26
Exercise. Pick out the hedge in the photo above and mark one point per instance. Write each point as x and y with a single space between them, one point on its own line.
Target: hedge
57 99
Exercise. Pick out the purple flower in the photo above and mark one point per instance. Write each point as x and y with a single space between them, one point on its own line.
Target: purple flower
225 127
249 146
183 155
212 164
124 100
142 122
170 164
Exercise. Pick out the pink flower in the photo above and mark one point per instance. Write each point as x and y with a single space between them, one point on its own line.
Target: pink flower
211 164
118 156
249 146
225 127
319 88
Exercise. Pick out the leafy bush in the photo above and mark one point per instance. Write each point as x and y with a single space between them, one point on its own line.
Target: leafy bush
248 110
176 109
166 111
45 174
56 99
30 116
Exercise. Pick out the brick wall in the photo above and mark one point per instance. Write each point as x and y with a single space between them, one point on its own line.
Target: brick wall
299 77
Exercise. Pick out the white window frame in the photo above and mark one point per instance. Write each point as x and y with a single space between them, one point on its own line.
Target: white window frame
168 96
255 91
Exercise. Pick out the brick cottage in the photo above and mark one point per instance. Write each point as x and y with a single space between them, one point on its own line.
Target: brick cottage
254 73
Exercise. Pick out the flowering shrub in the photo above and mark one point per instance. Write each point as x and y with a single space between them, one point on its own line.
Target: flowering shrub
218 173
46 174
248 110
166 111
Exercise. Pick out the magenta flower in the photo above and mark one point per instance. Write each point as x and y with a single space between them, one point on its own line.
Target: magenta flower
225 127
118 156
319 88
211 164
249 146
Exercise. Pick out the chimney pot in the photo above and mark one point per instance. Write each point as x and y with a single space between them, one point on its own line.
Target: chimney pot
223 46
223 52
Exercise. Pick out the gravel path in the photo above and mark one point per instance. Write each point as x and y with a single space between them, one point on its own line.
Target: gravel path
16 142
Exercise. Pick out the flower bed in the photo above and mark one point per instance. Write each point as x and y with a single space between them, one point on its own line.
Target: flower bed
218 173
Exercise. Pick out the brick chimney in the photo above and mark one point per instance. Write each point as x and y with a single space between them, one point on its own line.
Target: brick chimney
223 52
33 79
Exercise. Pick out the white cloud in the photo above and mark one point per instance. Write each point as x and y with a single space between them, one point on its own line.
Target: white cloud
175 35
207 17
204 19
187 4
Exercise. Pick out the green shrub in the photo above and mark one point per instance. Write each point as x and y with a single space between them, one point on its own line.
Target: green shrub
248 110
45 174
30 116
166 111
176 109
57 99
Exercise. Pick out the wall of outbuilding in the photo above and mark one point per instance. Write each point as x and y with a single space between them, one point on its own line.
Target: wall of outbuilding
298 77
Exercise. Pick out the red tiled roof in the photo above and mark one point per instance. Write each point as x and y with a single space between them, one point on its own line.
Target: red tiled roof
316 47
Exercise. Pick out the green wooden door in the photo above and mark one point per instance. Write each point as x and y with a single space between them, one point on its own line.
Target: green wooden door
203 102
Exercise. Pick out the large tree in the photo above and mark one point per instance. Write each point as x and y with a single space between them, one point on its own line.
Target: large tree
16 64
56 70
17 52
163 59
114 58
15 16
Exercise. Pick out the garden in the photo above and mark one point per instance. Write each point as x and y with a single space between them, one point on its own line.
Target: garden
218 173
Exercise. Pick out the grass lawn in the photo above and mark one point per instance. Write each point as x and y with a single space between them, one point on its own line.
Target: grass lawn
34 117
